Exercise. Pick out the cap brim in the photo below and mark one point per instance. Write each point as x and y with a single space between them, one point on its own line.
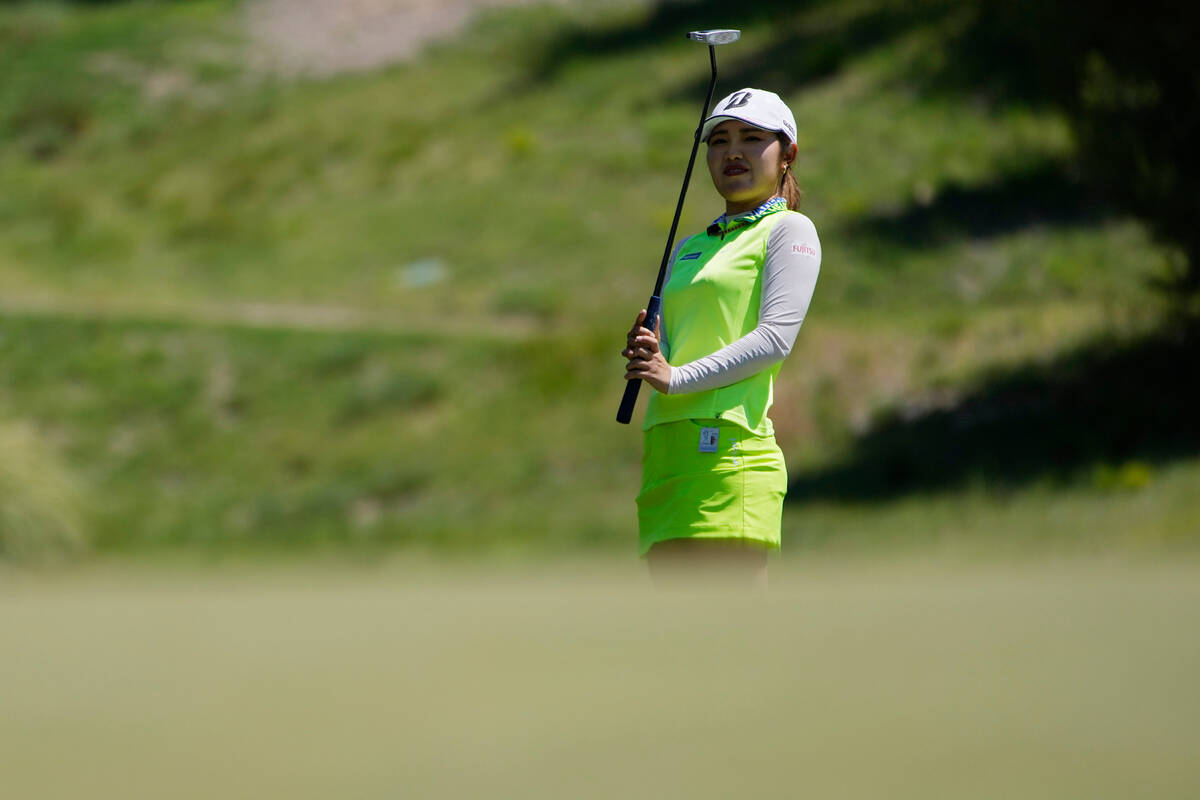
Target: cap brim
713 122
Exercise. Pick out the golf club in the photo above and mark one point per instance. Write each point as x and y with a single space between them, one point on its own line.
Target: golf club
712 38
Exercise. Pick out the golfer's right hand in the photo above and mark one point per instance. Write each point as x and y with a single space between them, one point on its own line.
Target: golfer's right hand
640 342
645 360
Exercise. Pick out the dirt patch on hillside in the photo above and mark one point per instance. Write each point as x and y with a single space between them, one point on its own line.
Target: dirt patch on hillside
319 37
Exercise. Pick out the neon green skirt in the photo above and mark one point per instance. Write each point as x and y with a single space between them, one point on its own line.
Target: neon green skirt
710 479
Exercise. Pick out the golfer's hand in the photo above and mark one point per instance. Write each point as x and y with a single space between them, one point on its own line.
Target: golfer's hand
645 359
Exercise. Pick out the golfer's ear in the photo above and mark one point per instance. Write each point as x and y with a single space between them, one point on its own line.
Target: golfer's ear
792 152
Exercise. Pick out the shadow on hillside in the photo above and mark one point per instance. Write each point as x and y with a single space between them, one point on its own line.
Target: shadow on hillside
981 51
1101 405
799 54
1043 193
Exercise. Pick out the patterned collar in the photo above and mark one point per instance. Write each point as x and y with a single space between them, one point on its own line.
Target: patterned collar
723 224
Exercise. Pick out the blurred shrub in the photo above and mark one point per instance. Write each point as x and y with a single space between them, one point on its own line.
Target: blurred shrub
520 142
1130 476
544 303
384 391
40 516
26 24
49 121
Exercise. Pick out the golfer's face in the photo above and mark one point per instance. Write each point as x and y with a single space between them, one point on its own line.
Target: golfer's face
745 163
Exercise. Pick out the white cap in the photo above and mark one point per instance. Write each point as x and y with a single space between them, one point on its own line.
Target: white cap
760 108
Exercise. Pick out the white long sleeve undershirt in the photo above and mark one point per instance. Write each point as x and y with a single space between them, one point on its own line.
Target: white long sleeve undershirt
789 277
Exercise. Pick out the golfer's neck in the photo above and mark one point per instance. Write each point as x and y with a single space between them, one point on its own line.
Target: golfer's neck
733 209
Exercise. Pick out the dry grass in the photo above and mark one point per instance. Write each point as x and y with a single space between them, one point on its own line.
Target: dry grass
316 37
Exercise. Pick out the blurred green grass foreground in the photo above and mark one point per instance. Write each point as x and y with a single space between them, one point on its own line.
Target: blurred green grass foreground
914 680
247 307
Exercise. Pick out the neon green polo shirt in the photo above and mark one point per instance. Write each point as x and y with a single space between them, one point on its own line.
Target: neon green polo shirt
711 300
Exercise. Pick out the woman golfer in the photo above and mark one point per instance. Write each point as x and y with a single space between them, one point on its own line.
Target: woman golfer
734 298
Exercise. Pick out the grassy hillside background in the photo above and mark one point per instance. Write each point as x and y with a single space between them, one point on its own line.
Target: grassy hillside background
246 310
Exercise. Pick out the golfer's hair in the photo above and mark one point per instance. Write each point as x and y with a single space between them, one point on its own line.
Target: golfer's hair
789 190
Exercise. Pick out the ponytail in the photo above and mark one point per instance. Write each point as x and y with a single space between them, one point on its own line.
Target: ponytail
789 190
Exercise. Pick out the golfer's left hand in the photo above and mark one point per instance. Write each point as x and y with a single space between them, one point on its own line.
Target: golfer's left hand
645 359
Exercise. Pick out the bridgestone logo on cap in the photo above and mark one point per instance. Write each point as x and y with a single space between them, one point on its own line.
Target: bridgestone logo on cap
738 100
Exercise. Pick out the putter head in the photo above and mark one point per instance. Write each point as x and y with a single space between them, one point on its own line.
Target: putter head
714 37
